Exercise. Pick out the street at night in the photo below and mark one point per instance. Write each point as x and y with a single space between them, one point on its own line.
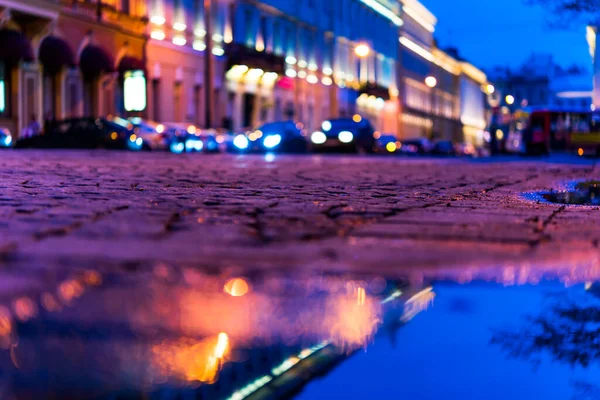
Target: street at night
299 199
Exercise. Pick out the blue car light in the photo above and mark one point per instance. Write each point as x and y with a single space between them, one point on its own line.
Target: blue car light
272 141
241 142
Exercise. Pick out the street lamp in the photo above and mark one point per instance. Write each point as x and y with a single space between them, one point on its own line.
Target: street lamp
490 89
509 100
362 50
431 81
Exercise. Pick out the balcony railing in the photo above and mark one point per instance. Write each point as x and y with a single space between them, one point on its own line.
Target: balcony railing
107 13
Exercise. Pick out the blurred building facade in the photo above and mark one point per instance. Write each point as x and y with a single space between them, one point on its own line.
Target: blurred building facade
307 60
541 82
63 58
452 105
298 59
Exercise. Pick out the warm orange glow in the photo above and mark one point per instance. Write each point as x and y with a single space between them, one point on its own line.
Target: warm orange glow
352 320
580 151
113 136
70 290
25 308
222 345
92 278
376 135
191 129
361 296
160 128
5 324
191 360
49 302
236 287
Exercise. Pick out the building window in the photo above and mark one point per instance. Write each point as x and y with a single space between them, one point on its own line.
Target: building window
177 101
156 99
125 7
278 113
250 38
4 92
134 90
277 48
263 33
248 109
198 103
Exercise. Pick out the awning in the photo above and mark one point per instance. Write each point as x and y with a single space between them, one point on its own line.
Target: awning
94 61
238 54
55 53
373 89
14 47
131 64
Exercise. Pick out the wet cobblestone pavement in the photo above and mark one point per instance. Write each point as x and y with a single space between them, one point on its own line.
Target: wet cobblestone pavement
126 275
71 210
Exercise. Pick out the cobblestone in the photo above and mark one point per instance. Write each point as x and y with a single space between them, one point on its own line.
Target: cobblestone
63 211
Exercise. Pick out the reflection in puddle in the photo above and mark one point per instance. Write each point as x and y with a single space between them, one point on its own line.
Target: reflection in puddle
177 330
583 193
521 342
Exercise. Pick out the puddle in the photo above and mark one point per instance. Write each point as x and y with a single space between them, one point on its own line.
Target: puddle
180 333
582 193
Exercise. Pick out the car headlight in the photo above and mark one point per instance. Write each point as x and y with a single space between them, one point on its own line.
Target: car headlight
241 142
318 138
7 140
194 145
272 141
345 137
177 147
139 141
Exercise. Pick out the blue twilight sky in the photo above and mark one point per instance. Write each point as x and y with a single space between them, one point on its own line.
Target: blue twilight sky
505 32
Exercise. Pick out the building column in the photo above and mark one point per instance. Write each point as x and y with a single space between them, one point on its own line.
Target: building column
593 42
238 107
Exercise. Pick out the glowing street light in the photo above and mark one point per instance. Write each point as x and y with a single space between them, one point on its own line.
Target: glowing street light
490 89
362 50
510 100
431 81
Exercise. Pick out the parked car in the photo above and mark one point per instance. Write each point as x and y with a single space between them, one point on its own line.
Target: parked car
190 139
349 134
152 133
467 150
279 136
416 146
443 148
387 144
84 133
5 138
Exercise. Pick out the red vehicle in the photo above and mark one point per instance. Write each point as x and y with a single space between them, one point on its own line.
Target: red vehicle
543 130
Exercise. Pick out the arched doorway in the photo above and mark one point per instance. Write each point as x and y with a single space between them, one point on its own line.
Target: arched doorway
55 55
14 48
94 62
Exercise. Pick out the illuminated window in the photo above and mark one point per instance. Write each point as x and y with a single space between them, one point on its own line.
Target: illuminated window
3 92
134 88
2 97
